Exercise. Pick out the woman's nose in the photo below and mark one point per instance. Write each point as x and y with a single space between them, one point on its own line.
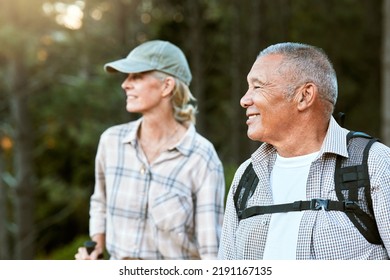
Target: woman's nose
126 83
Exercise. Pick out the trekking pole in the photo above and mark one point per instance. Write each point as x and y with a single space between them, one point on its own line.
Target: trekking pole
90 246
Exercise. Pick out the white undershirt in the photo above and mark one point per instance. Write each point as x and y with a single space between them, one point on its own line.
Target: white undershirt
288 184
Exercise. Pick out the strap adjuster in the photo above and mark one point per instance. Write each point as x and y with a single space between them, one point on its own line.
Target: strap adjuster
350 205
318 204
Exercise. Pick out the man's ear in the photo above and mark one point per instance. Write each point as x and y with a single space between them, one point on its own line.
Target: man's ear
306 96
168 86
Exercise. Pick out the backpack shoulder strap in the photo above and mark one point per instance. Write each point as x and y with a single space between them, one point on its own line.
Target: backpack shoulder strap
352 184
245 189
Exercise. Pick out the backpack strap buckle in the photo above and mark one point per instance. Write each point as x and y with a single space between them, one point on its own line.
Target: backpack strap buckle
350 206
318 204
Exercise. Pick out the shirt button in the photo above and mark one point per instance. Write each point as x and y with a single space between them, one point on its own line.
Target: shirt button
263 222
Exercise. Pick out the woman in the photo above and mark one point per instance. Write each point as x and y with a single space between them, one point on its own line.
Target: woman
159 187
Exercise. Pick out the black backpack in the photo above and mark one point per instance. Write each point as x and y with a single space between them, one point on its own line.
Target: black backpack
352 186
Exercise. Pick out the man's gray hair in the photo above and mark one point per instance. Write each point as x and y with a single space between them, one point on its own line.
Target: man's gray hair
304 63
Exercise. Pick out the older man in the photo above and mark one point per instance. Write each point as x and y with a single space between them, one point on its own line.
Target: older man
294 210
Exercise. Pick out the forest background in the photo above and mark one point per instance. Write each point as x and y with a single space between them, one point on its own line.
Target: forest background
56 100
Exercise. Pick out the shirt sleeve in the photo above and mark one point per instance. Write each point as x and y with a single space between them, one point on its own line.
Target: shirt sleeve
227 248
379 169
97 222
209 208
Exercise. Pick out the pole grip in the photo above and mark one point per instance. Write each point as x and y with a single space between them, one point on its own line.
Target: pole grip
90 246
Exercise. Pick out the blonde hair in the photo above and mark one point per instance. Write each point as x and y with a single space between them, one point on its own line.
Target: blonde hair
183 102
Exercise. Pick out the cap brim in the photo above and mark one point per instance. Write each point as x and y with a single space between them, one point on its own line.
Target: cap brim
125 66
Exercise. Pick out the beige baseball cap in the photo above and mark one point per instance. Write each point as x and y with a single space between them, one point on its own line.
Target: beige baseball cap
154 55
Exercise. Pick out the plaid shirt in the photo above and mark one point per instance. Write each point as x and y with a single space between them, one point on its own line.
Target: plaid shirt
172 209
322 234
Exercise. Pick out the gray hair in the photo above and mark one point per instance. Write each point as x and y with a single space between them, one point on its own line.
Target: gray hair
304 63
183 102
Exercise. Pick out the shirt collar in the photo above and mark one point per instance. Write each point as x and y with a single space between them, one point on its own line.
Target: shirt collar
335 141
131 135
185 145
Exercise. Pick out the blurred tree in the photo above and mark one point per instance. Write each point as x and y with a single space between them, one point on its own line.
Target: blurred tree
4 241
194 14
20 23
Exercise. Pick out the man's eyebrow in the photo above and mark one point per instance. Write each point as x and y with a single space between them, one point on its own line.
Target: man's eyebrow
257 81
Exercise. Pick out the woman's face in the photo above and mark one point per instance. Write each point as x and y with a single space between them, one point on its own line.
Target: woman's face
144 92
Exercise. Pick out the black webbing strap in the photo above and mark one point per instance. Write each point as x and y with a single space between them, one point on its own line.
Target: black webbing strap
314 204
341 118
352 178
245 188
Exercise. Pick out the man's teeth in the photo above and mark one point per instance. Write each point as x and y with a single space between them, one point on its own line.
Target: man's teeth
252 116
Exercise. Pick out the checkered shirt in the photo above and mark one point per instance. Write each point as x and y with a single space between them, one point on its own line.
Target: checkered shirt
172 209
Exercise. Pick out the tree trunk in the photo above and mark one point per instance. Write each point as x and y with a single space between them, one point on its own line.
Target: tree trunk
195 46
4 240
237 116
24 186
255 24
246 23
17 91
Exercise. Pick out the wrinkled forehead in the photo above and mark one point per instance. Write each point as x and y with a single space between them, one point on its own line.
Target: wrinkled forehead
266 68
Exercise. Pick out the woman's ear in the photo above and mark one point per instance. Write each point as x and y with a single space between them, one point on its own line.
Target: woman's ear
307 96
168 86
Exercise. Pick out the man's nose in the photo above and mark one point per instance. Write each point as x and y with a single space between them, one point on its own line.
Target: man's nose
246 100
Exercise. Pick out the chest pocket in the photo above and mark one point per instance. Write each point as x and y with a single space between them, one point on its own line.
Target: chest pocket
171 211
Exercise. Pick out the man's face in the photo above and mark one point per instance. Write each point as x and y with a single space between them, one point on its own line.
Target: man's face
270 114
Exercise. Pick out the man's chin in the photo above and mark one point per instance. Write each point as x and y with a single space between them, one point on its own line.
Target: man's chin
253 137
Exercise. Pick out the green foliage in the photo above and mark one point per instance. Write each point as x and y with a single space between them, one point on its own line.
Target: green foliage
67 251
229 170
